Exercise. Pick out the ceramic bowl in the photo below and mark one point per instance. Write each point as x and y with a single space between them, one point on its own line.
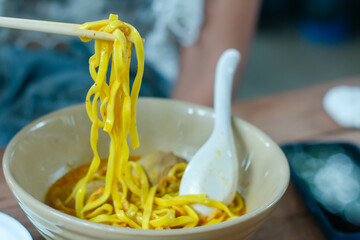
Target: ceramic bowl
48 148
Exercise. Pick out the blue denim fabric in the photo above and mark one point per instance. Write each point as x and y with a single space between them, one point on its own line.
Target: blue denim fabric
33 83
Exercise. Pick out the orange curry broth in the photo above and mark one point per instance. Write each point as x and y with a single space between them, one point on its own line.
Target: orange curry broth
62 188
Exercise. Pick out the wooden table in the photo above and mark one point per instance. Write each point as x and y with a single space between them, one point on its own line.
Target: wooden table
286 117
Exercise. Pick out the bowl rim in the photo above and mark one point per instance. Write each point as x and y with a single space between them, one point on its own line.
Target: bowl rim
24 196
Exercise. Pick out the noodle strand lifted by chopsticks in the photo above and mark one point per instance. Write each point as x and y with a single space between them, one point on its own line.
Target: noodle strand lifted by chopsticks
127 199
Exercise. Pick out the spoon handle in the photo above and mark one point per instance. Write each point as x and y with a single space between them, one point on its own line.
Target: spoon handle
224 76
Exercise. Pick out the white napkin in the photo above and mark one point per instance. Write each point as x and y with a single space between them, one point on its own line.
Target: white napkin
342 103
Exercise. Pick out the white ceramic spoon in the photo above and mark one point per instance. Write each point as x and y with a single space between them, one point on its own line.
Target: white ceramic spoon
213 170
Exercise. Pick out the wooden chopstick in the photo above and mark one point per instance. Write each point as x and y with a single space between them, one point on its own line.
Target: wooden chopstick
53 27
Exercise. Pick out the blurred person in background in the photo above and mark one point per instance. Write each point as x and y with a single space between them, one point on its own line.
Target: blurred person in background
40 72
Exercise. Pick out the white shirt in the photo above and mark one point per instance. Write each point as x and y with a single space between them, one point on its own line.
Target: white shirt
166 24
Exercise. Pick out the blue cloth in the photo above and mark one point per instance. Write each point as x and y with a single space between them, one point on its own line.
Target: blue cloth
33 83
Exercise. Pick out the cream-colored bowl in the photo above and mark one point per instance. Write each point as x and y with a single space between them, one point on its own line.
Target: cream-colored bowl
49 147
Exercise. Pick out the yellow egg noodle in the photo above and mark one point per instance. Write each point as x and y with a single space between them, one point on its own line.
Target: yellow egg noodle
128 199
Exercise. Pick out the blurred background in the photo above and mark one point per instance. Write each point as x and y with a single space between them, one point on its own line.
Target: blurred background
302 42
297 43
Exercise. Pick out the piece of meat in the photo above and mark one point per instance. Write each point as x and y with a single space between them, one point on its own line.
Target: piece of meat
93 186
157 164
